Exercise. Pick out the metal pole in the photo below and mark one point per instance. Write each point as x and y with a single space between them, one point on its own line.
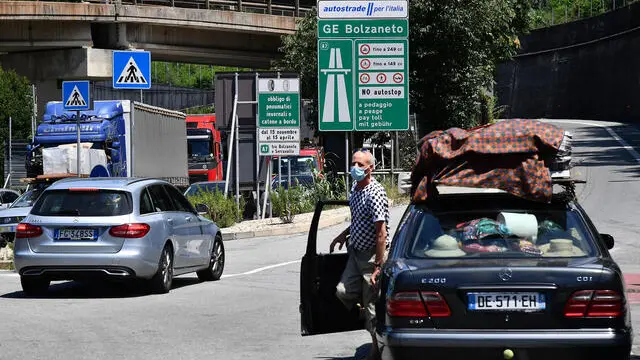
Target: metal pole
10 136
141 96
393 145
237 162
35 111
397 149
78 143
279 170
346 163
233 124
266 188
257 177
289 172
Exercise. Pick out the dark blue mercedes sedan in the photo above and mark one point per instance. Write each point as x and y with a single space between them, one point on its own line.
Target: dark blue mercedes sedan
483 274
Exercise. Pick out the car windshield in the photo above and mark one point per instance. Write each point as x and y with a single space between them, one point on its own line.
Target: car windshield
199 147
27 199
83 203
499 233
204 187
300 165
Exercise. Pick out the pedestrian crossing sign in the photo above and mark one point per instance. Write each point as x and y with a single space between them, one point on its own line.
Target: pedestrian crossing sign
75 95
131 70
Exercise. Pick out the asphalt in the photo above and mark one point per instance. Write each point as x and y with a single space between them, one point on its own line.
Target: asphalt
252 313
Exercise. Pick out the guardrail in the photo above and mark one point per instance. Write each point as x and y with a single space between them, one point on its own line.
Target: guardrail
295 8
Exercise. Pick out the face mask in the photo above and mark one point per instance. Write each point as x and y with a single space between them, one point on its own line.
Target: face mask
357 173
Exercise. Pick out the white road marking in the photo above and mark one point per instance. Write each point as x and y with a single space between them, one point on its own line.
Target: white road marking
262 269
625 145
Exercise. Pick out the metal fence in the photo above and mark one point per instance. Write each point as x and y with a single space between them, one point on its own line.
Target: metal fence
165 96
548 13
272 7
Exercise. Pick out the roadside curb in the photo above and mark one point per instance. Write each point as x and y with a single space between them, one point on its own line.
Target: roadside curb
292 229
285 229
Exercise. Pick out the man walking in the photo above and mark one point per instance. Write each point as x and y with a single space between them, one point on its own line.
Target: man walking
368 243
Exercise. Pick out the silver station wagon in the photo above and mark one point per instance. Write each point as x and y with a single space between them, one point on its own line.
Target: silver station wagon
123 228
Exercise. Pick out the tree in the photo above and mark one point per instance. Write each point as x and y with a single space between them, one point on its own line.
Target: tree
15 102
454 48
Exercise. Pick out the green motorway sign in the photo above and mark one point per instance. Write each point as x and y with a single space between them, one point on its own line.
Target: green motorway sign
335 79
382 88
363 66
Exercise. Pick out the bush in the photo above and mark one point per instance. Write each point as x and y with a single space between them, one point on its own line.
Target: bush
299 199
392 190
223 211
287 203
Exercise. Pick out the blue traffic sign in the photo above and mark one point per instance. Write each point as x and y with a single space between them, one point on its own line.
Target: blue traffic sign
75 95
132 70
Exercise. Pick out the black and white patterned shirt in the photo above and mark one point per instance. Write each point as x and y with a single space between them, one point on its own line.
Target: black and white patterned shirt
368 206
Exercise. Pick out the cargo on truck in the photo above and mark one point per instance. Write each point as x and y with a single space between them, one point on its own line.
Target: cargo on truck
119 138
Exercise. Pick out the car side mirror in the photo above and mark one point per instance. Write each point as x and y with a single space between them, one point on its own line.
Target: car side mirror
608 240
202 209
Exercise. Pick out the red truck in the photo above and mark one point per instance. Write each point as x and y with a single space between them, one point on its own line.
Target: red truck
203 139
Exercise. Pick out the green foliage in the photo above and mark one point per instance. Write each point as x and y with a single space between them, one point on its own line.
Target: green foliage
15 102
392 190
454 48
205 109
299 199
187 75
300 55
287 203
223 211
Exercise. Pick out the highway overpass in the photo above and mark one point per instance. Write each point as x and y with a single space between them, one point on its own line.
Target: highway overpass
53 41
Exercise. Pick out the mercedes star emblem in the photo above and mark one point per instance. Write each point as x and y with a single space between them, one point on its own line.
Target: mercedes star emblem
505 274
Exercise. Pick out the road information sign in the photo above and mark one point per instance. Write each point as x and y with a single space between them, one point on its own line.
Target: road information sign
363 65
75 95
131 70
279 116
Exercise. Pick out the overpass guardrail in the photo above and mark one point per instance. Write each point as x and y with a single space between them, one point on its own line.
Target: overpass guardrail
297 8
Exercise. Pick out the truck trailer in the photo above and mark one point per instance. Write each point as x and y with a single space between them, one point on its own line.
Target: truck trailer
119 138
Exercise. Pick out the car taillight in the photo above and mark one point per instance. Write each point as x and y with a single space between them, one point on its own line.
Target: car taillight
415 304
408 304
24 230
130 230
594 303
436 304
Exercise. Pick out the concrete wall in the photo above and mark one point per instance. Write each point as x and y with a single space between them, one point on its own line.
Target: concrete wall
588 69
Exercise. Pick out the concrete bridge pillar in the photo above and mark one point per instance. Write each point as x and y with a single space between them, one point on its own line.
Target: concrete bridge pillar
48 68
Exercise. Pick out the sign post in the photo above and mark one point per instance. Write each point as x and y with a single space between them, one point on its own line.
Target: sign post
75 96
363 65
279 116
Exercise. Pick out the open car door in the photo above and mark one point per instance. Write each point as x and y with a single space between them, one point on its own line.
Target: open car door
321 311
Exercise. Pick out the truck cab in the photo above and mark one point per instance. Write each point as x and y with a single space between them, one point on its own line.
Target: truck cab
204 155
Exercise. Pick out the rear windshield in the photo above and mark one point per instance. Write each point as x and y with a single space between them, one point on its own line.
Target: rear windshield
499 233
83 203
